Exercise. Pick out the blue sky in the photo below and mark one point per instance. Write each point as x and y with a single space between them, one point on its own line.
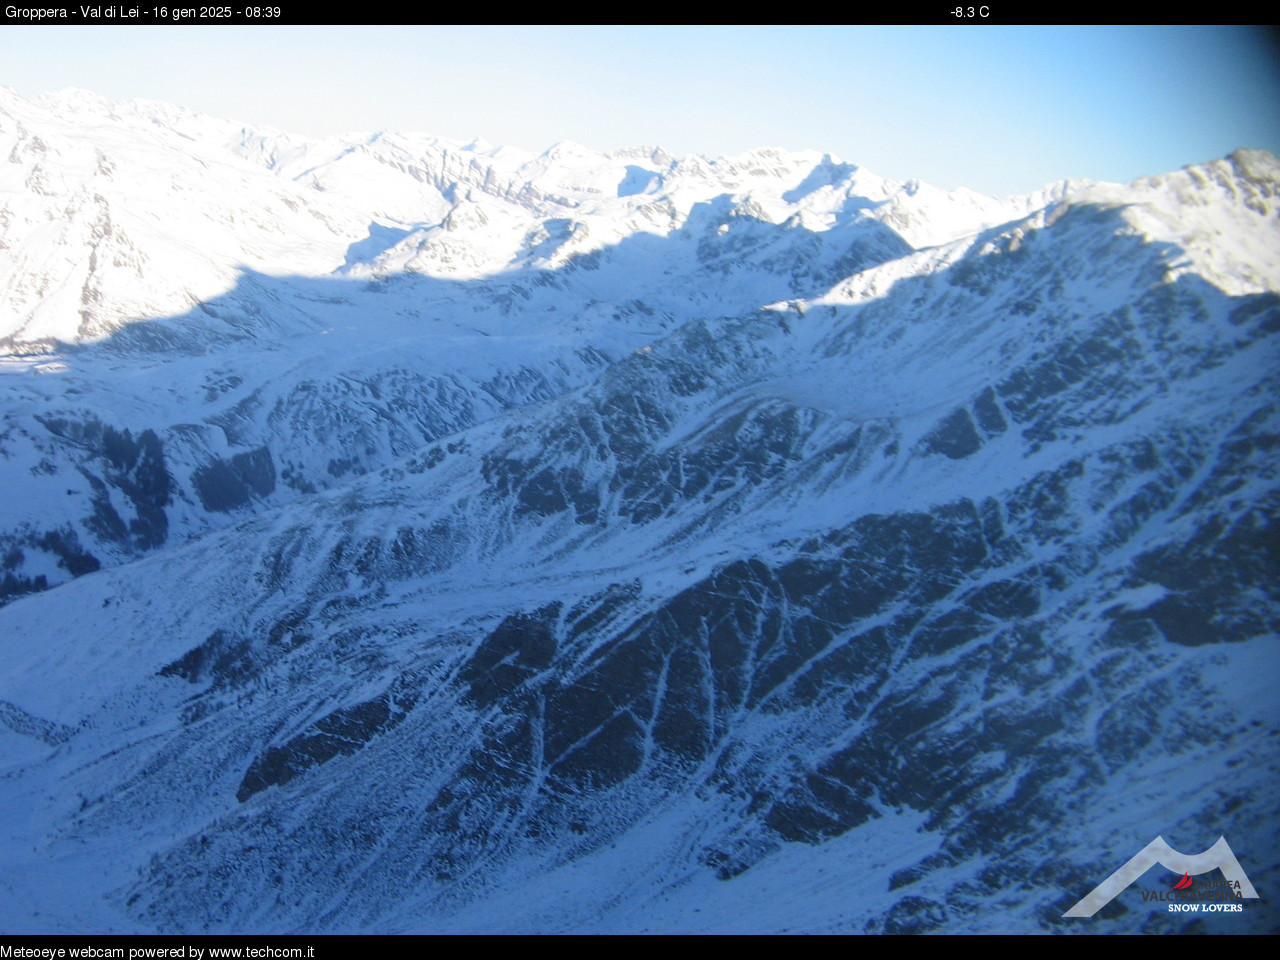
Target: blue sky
999 109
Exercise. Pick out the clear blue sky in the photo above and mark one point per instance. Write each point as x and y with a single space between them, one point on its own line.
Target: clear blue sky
999 109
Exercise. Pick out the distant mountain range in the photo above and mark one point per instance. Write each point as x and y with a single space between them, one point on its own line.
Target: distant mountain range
404 535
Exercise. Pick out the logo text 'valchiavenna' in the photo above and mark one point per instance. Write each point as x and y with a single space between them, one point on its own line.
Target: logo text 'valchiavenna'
1233 886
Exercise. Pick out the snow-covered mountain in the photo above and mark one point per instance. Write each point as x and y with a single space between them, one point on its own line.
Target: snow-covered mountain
406 536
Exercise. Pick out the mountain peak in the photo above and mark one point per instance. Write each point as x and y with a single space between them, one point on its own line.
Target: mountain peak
75 100
557 532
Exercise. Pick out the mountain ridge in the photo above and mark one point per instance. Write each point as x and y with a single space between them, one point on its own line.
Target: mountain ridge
770 573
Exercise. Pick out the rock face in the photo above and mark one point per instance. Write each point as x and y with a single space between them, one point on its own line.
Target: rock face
730 561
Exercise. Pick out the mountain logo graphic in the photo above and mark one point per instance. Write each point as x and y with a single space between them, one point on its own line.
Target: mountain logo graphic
1217 857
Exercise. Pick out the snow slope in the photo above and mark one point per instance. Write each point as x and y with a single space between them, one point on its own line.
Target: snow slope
622 543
